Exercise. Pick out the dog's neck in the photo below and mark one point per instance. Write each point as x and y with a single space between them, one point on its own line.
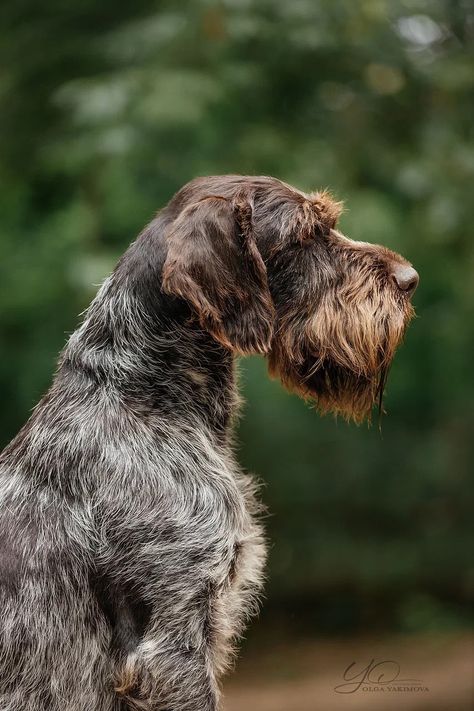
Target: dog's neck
144 345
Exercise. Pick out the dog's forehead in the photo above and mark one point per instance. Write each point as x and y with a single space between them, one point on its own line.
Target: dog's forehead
293 216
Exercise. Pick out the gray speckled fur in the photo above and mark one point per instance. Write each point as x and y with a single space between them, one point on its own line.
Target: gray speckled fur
130 551
121 532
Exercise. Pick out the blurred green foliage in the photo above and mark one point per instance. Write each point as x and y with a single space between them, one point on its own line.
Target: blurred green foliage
108 107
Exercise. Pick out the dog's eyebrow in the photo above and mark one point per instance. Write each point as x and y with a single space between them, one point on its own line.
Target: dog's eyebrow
213 197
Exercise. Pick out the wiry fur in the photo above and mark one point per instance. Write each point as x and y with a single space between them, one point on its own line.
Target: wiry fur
338 335
131 553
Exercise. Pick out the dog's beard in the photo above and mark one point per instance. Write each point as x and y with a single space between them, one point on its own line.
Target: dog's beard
340 358
342 392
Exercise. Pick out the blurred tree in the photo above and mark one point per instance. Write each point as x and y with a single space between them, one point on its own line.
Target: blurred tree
107 108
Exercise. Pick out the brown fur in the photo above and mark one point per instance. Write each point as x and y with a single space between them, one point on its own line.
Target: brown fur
340 353
213 263
332 337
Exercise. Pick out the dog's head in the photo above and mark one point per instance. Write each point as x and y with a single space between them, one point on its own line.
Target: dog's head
265 271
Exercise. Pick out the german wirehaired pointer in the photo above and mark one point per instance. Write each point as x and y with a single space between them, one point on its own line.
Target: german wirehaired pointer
130 548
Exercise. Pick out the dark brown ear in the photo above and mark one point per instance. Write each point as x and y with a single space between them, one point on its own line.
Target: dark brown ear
214 264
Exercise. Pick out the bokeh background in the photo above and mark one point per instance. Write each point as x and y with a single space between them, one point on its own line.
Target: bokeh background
106 108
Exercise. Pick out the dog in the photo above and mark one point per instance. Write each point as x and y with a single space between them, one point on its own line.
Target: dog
131 551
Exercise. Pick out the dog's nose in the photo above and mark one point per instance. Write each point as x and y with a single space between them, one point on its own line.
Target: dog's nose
405 277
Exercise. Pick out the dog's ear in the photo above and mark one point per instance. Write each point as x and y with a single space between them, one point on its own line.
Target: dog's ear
214 264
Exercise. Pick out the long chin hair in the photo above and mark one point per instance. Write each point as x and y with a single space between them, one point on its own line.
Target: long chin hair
340 357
